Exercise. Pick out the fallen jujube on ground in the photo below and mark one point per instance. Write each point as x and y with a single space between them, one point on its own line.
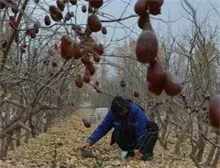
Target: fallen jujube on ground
86 122
136 94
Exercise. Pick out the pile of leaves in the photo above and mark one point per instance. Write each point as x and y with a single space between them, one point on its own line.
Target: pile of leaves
67 135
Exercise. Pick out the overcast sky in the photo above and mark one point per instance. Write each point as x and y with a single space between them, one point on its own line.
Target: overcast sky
172 10
173 15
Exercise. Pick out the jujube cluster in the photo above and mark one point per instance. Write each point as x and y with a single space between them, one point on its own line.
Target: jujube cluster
84 48
147 50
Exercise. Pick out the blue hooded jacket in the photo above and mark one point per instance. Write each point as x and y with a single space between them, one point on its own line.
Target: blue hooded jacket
138 122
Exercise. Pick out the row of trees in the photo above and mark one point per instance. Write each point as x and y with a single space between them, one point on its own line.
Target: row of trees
37 85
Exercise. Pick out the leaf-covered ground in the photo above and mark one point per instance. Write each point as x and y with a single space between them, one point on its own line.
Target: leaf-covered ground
70 133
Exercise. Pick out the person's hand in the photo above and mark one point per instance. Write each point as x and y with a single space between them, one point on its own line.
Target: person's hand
85 145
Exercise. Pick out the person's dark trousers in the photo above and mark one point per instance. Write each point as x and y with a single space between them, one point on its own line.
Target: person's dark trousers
150 140
128 142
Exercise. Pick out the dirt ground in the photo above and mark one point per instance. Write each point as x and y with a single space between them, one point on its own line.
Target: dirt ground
68 134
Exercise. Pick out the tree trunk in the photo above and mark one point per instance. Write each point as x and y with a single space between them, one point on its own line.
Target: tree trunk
217 155
2 150
11 145
216 159
7 145
201 141
46 125
18 136
27 136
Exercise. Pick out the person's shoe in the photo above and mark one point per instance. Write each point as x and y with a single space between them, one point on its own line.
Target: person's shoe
130 154
123 154
147 157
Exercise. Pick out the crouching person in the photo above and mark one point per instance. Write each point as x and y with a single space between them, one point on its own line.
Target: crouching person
133 131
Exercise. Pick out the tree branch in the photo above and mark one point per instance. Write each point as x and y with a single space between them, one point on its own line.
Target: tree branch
119 19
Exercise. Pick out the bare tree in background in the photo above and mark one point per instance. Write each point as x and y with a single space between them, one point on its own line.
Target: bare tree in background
37 85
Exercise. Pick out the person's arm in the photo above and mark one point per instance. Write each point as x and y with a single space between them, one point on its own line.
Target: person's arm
102 129
141 128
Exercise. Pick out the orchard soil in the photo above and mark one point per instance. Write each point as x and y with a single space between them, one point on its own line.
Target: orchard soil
68 135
